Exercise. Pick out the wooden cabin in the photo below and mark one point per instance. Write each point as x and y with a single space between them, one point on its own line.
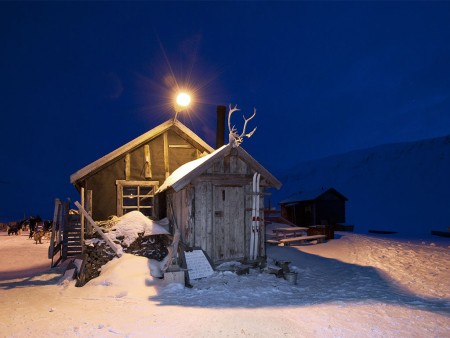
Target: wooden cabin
127 178
323 206
210 201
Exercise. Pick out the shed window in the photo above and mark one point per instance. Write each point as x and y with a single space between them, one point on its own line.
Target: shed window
136 195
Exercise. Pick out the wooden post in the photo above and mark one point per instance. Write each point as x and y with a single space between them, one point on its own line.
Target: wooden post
108 241
88 207
148 164
55 220
127 166
166 155
82 220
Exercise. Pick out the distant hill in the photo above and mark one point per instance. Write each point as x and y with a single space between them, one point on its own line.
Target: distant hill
403 187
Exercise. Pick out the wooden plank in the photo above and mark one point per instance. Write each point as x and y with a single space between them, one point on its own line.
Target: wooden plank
248 218
148 164
208 239
287 241
166 155
191 215
108 241
199 215
82 196
262 226
56 211
183 146
218 224
119 199
127 166
88 207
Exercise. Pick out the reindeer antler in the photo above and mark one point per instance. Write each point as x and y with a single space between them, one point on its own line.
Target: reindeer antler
233 136
245 125
232 110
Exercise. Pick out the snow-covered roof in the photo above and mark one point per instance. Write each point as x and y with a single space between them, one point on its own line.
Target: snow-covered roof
311 195
184 174
151 134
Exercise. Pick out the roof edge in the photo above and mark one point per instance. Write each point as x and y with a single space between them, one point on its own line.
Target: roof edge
152 133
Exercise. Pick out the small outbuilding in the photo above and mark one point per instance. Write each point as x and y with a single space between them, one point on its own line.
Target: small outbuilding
322 206
210 201
127 178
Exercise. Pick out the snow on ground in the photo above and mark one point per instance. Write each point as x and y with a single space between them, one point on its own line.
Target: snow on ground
353 286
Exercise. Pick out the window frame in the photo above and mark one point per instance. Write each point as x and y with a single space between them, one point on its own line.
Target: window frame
121 184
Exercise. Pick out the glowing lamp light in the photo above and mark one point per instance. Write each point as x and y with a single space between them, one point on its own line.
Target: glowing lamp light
183 99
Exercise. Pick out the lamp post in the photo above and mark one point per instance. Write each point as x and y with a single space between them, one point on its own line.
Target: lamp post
182 101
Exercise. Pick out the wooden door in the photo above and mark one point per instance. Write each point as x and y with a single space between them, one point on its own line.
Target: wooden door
229 223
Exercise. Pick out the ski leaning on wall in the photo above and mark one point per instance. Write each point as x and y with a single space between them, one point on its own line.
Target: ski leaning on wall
254 236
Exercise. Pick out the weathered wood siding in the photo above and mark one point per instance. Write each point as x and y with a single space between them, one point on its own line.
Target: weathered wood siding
214 212
203 222
182 207
166 152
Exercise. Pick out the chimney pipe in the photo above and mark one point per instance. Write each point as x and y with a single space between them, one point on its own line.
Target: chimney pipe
220 131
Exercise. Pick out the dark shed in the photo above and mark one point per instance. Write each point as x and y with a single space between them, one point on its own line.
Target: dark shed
127 178
323 206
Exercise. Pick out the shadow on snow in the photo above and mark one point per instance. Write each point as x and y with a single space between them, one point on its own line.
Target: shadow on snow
320 280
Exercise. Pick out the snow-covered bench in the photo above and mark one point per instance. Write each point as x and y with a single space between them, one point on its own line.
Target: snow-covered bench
302 239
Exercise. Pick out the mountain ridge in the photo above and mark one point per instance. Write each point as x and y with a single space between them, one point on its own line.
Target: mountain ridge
402 187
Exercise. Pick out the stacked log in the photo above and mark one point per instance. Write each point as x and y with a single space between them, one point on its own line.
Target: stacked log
97 253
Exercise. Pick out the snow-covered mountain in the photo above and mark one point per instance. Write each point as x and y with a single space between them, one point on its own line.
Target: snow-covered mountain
402 187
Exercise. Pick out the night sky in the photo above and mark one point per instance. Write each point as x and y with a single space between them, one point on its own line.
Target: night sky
79 79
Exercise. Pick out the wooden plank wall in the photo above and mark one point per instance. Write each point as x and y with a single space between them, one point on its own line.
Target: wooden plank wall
203 231
226 235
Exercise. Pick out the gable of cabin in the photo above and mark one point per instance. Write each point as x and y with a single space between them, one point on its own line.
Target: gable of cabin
129 180
213 210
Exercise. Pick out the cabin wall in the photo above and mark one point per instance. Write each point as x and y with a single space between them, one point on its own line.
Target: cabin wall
181 213
328 209
167 152
215 211
103 186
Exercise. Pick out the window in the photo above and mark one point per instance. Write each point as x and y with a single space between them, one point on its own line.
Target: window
136 195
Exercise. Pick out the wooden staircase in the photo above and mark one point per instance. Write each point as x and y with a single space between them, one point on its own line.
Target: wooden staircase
67 232
71 244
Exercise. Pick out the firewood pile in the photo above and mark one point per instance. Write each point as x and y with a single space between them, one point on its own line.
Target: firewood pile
97 253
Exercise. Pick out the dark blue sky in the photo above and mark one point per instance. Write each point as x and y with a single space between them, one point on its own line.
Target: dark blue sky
79 79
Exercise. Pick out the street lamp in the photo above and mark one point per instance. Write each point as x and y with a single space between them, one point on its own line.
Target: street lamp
182 101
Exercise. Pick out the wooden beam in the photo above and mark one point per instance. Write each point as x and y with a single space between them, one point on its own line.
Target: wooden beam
166 154
183 146
88 207
227 179
127 166
108 241
119 199
83 203
148 164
